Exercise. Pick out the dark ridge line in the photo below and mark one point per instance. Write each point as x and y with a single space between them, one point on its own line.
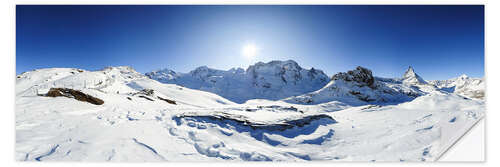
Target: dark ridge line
148 147
47 154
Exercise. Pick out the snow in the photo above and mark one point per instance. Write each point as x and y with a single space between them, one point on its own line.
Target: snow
403 123
273 80
359 87
463 85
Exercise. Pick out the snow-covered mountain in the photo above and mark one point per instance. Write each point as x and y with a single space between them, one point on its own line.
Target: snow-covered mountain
273 80
463 85
359 87
412 78
141 119
122 80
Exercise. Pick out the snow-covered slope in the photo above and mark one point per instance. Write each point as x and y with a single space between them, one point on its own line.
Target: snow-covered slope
359 87
463 85
273 80
139 122
121 80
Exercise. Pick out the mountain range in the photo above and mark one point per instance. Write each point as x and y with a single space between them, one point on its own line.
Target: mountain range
275 111
273 80
277 80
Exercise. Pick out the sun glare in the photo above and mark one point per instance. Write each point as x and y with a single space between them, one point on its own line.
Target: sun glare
250 50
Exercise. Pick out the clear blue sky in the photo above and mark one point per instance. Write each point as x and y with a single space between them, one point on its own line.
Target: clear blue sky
440 42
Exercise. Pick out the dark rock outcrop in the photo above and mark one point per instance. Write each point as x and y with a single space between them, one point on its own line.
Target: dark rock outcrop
245 122
360 75
167 100
70 93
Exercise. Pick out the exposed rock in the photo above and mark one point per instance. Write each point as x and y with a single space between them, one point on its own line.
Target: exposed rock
359 87
147 98
70 93
167 100
246 122
147 92
360 75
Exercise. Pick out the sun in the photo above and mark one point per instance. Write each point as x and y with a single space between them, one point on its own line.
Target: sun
249 50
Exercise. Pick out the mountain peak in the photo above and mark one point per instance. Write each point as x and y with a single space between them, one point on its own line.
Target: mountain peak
276 63
411 77
360 75
162 74
463 76
410 72
270 80
121 69
237 70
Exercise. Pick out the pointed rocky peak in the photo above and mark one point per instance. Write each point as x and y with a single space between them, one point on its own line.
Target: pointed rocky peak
463 76
410 72
360 75
411 77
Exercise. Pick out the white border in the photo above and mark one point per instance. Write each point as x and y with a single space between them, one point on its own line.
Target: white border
467 148
7 50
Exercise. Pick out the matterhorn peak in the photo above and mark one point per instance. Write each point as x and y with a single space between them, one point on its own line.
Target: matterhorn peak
463 76
410 72
410 77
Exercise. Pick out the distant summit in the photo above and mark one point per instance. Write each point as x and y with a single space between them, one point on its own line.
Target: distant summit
288 81
412 78
463 85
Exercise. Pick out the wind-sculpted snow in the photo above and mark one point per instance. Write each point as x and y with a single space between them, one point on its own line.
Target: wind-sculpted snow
344 125
273 80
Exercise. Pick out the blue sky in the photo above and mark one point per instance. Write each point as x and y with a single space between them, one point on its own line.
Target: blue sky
440 42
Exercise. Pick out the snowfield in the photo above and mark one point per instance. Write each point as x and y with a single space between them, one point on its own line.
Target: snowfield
364 118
